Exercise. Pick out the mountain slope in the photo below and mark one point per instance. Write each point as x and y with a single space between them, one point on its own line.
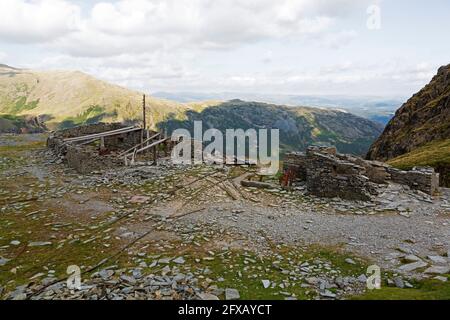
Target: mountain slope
419 133
299 126
65 99
73 97
422 119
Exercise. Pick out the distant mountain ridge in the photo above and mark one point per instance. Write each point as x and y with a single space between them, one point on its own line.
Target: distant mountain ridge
378 109
299 126
70 98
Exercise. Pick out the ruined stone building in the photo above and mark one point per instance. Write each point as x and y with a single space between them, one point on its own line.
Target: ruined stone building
101 146
329 174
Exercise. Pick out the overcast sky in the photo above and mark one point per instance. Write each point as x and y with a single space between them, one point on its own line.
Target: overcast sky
263 46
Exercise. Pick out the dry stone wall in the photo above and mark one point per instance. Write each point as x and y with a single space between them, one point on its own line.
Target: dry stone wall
329 174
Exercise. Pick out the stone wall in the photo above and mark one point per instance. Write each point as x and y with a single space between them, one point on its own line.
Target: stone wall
329 174
423 179
86 161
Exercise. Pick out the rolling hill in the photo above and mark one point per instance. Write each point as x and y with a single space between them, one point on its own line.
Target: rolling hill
69 98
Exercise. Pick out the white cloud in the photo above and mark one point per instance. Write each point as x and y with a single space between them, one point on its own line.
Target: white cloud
25 21
124 26
211 45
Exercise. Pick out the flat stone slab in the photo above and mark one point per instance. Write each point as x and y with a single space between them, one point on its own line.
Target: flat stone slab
232 294
179 260
40 244
438 270
413 266
412 258
208 296
438 260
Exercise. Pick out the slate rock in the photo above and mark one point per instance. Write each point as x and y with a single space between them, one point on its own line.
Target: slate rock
438 270
413 266
3 261
232 294
207 296
438 260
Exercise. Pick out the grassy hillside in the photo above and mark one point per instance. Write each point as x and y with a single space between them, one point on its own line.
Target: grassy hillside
72 98
435 154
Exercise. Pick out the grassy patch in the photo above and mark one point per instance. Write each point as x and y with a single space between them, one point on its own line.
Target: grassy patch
432 154
21 105
425 290
91 115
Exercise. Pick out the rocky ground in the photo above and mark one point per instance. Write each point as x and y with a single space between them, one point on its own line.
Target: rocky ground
171 232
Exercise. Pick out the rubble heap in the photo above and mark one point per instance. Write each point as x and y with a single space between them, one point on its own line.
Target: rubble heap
329 174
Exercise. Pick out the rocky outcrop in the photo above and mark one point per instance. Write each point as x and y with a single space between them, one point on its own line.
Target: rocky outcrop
422 119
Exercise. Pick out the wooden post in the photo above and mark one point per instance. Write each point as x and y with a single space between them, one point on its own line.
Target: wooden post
144 112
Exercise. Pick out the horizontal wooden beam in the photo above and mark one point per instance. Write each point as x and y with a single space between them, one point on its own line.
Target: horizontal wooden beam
103 134
154 144
140 144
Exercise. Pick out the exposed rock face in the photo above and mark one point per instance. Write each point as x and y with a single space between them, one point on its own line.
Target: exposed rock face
422 119
329 174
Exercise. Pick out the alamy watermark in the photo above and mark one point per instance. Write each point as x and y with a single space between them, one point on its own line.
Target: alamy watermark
74 277
235 146
374 17
374 277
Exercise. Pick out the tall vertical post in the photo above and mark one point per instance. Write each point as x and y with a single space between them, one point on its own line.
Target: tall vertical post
144 113
144 119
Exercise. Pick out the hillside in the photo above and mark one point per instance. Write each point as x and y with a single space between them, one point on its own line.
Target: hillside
71 98
418 126
422 119
66 99
299 126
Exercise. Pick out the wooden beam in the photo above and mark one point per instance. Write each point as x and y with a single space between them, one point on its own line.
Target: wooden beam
152 145
103 134
140 144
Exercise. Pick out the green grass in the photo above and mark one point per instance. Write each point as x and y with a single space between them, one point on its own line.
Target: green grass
432 154
21 105
93 114
424 290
